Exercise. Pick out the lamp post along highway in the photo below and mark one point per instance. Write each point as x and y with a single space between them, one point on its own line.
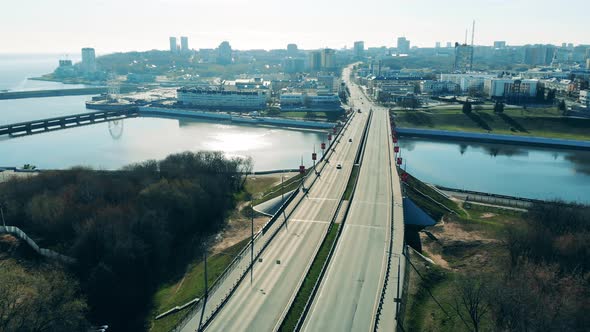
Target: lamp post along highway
251 243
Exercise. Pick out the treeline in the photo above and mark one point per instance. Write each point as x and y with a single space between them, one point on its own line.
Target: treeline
130 229
546 281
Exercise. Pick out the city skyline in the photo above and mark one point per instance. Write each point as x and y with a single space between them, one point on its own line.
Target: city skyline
109 26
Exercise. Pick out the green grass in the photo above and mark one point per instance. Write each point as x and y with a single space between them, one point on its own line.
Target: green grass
190 286
351 181
541 122
276 191
416 191
312 276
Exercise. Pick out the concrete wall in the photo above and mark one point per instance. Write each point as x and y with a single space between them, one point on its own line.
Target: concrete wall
17 232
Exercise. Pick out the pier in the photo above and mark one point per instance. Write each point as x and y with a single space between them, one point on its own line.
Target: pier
60 92
64 122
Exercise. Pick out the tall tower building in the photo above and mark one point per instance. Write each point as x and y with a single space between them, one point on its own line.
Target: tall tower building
292 49
437 45
463 54
328 58
403 45
184 44
224 53
315 60
88 60
173 45
359 49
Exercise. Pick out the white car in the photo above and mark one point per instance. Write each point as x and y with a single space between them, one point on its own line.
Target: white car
339 166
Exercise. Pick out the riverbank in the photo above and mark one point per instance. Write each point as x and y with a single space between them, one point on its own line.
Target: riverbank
494 138
173 112
532 122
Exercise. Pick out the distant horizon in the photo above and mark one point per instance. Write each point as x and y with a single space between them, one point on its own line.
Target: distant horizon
122 26
100 53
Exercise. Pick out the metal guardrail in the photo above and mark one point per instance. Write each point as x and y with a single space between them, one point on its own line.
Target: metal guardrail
316 285
198 305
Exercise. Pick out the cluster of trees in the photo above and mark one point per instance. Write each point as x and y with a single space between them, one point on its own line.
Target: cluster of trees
131 229
45 299
546 286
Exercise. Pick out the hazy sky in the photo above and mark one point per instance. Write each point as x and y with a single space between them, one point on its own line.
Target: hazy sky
54 26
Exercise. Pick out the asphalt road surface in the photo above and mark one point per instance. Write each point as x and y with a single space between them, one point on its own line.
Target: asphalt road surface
351 289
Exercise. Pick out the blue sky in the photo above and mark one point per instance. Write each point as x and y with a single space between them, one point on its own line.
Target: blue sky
53 26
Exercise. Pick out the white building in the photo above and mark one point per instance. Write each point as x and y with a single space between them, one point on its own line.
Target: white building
219 99
328 58
88 60
467 81
507 87
319 100
585 98
437 87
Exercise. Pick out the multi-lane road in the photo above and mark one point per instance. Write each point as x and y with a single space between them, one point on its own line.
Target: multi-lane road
351 290
262 304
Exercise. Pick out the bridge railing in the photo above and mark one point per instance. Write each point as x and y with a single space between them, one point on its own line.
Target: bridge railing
240 264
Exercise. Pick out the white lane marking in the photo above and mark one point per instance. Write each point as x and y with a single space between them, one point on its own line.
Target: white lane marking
313 221
371 203
323 199
365 226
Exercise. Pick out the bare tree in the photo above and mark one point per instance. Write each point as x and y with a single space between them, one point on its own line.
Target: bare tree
470 301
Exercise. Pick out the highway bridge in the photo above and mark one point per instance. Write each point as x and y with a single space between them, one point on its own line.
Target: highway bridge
361 288
64 122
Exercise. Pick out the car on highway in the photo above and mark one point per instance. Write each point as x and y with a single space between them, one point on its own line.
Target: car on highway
339 166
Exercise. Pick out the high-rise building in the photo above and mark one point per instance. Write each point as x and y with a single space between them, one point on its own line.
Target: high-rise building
173 45
88 60
292 49
328 58
500 44
359 49
463 57
315 60
449 44
588 63
403 45
293 65
184 44
437 45
539 54
224 53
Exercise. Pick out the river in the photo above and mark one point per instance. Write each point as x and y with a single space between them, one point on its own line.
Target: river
501 169
510 170
115 144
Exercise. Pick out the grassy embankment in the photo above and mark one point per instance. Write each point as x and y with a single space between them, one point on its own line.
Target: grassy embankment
469 241
192 285
541 122
302 296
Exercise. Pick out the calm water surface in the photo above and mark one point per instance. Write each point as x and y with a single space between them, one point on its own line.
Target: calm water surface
501 169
